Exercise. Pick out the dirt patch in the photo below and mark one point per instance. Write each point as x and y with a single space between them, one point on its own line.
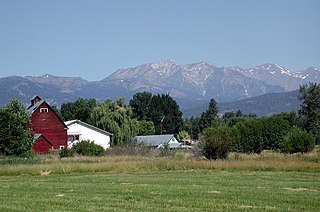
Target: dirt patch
45 173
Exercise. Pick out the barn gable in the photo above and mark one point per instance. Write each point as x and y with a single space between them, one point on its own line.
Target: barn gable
36 104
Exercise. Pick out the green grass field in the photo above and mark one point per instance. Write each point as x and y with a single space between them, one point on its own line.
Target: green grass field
248 183
191 190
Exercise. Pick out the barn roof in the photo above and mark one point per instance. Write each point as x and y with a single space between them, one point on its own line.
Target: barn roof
154 140
76 121
31 109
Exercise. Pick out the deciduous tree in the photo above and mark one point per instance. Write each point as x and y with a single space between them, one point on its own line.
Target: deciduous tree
310 108
15 139
146 128
116 118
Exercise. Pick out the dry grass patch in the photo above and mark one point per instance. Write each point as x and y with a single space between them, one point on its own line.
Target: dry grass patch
180 161
300 189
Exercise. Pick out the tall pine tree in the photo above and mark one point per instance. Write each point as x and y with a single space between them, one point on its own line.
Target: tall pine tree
210 116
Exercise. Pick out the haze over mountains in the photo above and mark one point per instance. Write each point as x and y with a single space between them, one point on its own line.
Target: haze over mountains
192 85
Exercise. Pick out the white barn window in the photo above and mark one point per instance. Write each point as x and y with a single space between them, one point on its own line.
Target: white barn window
44 110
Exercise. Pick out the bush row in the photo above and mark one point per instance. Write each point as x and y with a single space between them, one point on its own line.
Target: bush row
254 136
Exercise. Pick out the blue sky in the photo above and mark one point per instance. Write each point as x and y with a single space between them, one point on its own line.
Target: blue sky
94 38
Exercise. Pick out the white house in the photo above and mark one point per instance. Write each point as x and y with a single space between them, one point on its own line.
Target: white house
158 141
78 131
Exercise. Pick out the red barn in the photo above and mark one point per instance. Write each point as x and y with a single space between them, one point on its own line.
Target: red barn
50 131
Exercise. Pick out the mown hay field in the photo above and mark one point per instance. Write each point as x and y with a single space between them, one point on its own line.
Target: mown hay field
241 183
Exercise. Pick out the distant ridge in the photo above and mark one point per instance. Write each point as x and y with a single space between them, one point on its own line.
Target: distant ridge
264 105
192 85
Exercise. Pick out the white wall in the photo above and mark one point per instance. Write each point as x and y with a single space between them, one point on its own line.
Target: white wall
173 140
89 134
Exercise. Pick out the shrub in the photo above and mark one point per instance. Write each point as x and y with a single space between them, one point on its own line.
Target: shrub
247 136
217 142
88 148
165 151
198 146
19 160
65 152
182 154
131 149
297 140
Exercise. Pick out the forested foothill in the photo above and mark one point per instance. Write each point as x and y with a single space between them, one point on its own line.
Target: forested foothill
210 134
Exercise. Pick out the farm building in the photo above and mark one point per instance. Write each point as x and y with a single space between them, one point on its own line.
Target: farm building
49 129
41 143
78 130
158 141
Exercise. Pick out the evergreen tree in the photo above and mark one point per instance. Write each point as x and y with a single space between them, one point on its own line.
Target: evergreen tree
310 108
80 109
15 139
141 105
210 116
162 110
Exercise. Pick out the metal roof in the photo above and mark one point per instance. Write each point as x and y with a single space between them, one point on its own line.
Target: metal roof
154 140
34 107
36 136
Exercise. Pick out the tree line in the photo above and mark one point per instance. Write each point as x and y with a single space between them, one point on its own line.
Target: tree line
148 114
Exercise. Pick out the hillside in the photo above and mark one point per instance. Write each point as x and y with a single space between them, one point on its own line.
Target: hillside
191 85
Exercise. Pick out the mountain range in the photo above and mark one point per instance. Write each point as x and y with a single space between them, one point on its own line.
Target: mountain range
191 85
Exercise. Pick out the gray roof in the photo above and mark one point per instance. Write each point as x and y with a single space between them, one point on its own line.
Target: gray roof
36 136
76 121
34 107
154 140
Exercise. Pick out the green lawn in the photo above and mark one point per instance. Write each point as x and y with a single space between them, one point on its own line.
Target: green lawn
177 190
